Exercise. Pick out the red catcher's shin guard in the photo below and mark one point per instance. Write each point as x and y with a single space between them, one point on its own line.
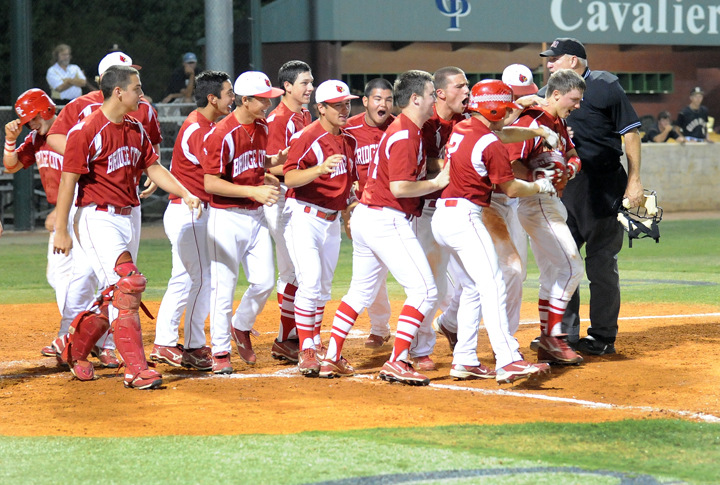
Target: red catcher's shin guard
84 331
128 335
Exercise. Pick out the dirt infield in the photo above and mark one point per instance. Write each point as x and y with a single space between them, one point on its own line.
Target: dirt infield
665 367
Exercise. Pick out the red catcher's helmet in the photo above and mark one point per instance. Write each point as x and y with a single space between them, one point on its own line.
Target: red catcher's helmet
491 98
33 102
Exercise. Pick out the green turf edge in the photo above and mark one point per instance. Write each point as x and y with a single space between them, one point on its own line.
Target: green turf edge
668 450
687 252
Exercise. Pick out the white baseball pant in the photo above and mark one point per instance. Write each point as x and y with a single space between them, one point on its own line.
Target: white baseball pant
459 229
510 239
424 343
235 237
314 247
544 218
188 289
383 240
277 217
104 236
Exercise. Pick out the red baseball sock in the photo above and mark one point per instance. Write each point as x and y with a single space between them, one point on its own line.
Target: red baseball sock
305 324
556 310
286 300
343 321
543 312
408 325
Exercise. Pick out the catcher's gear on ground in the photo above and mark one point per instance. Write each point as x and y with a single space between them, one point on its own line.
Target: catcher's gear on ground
641 221
491 98
33 102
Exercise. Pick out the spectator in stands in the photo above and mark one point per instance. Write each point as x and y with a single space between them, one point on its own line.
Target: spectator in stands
182 82
693 119
663 130
65 80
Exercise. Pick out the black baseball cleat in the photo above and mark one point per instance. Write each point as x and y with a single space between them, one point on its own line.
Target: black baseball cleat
591 346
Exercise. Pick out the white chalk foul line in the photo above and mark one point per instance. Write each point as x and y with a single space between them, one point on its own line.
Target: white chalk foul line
708 418
292 372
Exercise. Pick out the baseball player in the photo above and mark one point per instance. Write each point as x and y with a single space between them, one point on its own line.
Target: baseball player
452 97
478 160
544 216
234 165
289 117
105 156
383 236
189 286
319 173
451 88
368 128
501 221
35 109
83 283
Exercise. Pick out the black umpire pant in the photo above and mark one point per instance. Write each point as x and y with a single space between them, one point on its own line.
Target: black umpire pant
592 202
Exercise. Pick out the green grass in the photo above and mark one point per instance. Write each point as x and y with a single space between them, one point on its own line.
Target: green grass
684 268
666 450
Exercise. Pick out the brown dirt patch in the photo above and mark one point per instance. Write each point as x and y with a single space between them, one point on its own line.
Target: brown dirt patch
663 366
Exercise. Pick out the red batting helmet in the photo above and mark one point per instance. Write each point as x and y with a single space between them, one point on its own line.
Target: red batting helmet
33 102
491 98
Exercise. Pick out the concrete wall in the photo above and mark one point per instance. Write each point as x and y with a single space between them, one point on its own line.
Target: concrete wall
686 177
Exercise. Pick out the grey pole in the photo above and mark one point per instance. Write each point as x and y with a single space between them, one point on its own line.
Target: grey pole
219 36
255 36
21 80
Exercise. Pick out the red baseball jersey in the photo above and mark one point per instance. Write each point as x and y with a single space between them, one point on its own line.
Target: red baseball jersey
478 159
81 107
312 146
436 132
187 153
110 158
368 138
237 153
283 123
400 156
34 149
532 118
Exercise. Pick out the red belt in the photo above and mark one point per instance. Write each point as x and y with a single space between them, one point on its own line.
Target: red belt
180 201
123 211
451 203
322 215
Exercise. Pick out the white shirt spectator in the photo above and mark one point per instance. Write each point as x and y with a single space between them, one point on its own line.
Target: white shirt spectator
56 75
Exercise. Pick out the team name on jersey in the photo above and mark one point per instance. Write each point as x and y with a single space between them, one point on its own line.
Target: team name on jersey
696 123
340 168
48 159
248 161
364 155
123 157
